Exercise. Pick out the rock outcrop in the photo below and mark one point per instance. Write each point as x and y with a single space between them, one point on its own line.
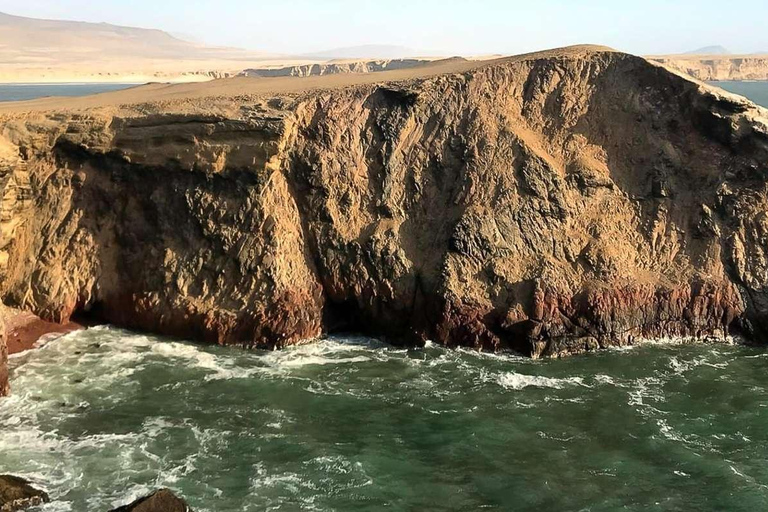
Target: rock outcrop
335 68
550 204
24 331
160 501
18 494
712 68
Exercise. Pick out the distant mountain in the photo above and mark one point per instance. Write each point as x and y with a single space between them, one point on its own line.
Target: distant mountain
370 51
710 50
33 36
36 41
36 50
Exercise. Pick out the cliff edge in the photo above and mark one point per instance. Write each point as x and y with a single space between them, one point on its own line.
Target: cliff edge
712 68
550 204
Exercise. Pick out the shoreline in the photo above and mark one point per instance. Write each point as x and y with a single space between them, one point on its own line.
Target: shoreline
23 330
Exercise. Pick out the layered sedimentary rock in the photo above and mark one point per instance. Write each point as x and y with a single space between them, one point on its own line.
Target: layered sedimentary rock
718 67
336 68
550 204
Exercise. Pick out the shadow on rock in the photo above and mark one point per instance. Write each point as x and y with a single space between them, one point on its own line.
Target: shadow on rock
17 494
159 501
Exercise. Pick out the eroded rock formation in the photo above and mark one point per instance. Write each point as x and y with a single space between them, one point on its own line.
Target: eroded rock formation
717 68
551 204
335 68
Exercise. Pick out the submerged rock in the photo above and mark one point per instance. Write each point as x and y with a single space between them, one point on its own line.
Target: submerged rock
550 203
17 494
159 501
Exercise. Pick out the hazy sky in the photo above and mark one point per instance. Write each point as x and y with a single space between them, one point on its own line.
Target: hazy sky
448 26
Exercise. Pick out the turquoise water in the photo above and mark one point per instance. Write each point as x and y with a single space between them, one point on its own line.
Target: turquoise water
21 92
755 91
103 416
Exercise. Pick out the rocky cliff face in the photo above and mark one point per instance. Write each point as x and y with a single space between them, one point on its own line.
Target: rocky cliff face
336 68
716 68
549 204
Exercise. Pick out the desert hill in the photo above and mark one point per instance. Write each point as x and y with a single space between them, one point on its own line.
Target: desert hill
35 50
710 50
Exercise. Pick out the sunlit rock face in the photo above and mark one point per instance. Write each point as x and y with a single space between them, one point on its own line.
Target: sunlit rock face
716 68
549 204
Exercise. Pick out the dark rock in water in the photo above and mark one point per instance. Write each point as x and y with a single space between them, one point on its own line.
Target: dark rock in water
159 501
17 494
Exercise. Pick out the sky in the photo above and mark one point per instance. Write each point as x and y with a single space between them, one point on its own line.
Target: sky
448 27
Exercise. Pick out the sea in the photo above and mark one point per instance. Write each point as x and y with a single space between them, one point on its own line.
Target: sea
103 416
755 91
22 92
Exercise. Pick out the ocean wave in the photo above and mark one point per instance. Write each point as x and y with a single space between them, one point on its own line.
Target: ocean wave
681 366
218 368
152 421
518 381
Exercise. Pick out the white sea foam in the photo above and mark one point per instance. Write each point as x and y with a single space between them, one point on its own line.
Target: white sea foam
321 353
646 387
607 379
677 340
321 361
517 381
105 367
218 368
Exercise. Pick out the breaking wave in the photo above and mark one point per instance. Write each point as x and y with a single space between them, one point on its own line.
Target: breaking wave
102 416
517 381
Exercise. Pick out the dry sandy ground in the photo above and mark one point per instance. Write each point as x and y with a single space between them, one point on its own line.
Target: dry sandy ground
128 71
47 51
242 86
36 50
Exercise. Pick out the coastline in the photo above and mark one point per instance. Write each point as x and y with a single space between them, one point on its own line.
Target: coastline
23 329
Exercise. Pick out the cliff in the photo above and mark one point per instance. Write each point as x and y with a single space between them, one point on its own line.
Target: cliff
550 204
334 68
712 68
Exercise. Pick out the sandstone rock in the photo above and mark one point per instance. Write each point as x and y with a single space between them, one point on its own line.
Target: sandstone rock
718 67
17 494
159 501
549 203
